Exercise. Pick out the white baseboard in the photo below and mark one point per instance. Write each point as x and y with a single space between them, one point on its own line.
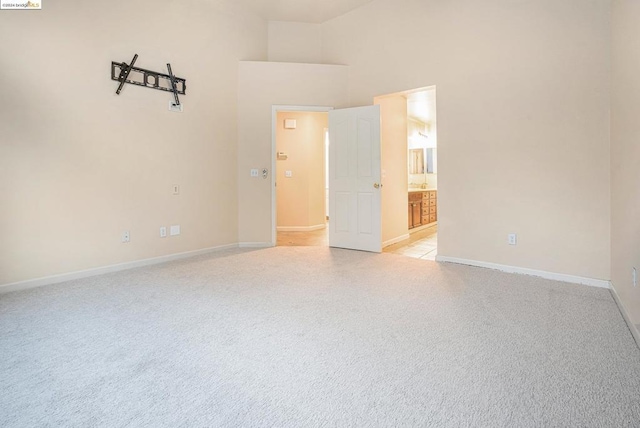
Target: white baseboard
423 227
635 328
300 228
395 240
255 245
54 279
525 271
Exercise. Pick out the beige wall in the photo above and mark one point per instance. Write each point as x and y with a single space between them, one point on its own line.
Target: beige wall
79 165
301 197
522 98
625 155
295 42
523 135
262 85
393 143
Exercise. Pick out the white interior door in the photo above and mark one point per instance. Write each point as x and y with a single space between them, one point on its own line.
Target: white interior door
354 179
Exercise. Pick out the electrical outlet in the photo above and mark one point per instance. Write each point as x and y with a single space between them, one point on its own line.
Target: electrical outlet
513 239
126 237
288 174
177 108
635 277
254 173
163 232
176 189
174 230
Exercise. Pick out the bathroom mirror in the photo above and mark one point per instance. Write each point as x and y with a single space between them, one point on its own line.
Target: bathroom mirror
430 161
416 161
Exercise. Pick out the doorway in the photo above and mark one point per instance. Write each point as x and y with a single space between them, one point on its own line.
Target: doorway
395 174
354 178
300 145
410 171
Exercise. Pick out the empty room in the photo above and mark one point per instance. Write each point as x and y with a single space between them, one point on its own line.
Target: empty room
146 149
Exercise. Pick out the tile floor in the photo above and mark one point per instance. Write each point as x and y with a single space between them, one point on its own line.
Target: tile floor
421 245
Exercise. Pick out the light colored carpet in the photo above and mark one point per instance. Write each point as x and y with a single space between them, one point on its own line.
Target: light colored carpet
301 336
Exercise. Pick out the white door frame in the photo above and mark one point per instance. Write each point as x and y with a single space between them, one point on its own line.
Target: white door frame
274 123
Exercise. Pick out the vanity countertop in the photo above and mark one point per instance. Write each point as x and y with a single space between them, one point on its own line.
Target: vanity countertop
423 190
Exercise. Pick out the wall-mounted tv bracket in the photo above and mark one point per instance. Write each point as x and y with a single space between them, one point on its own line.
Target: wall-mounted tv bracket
128 73
173 84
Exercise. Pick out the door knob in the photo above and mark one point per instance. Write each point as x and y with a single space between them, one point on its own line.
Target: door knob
377 185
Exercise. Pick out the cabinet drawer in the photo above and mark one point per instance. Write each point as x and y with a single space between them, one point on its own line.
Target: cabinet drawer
432 218
432 209
425 219
425 196
415 196
432 195
432 202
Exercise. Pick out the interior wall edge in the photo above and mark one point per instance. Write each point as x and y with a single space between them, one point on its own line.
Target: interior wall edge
301 228
396 240
573 279
56 279
634 328
256 245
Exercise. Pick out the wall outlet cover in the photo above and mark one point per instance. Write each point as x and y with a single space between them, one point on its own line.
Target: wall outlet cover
163 232
126 237
176 108
175 230
513 239
255 173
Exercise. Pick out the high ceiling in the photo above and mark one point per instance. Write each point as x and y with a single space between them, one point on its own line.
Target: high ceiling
312 11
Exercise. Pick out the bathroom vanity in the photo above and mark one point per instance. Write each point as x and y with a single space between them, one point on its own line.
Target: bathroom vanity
423 207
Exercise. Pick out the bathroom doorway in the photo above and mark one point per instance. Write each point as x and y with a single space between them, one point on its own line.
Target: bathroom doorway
410 172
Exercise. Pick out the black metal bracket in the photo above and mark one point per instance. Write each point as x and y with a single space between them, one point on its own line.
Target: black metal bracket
127 73
172 78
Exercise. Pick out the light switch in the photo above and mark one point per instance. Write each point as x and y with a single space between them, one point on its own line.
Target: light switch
288 174
174 230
